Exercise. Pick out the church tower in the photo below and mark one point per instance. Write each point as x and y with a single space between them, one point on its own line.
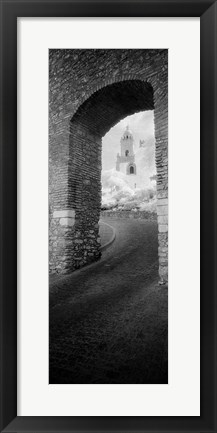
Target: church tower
126 160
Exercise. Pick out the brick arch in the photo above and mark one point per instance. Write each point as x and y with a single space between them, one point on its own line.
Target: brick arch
100 84
83 112
105 107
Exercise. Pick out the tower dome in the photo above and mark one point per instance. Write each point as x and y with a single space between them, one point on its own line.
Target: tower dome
127 133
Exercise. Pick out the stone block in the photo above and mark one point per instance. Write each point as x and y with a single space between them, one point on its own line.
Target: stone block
162 201
163 228
162 210
66 213
162 219
67 221
163 273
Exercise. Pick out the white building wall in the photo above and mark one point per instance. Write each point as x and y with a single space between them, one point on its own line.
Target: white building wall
123 167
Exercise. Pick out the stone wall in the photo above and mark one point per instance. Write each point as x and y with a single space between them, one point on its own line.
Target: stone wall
90 91
143 215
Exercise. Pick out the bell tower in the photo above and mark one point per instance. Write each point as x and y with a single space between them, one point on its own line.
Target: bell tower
126 160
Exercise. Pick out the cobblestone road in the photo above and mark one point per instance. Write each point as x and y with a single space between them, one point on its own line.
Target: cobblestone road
108 321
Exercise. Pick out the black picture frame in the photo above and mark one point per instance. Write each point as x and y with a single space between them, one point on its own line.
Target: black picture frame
10 11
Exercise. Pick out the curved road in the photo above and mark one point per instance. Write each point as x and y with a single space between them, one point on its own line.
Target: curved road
108 321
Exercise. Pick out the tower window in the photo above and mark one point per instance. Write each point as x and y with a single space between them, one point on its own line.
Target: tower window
131 169
126 152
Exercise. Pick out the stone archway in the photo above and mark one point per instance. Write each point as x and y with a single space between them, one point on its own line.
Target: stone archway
74 239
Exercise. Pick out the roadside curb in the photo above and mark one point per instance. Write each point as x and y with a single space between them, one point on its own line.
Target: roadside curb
111 240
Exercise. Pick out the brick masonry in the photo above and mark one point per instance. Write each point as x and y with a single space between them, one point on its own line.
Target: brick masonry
89 92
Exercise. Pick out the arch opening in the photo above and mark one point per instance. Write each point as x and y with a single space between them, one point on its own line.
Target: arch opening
107 106
94 118
127 188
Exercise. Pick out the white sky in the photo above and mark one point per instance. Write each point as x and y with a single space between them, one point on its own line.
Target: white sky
142 126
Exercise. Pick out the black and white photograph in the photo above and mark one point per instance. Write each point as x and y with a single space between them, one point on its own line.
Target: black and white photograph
108 233
108 216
